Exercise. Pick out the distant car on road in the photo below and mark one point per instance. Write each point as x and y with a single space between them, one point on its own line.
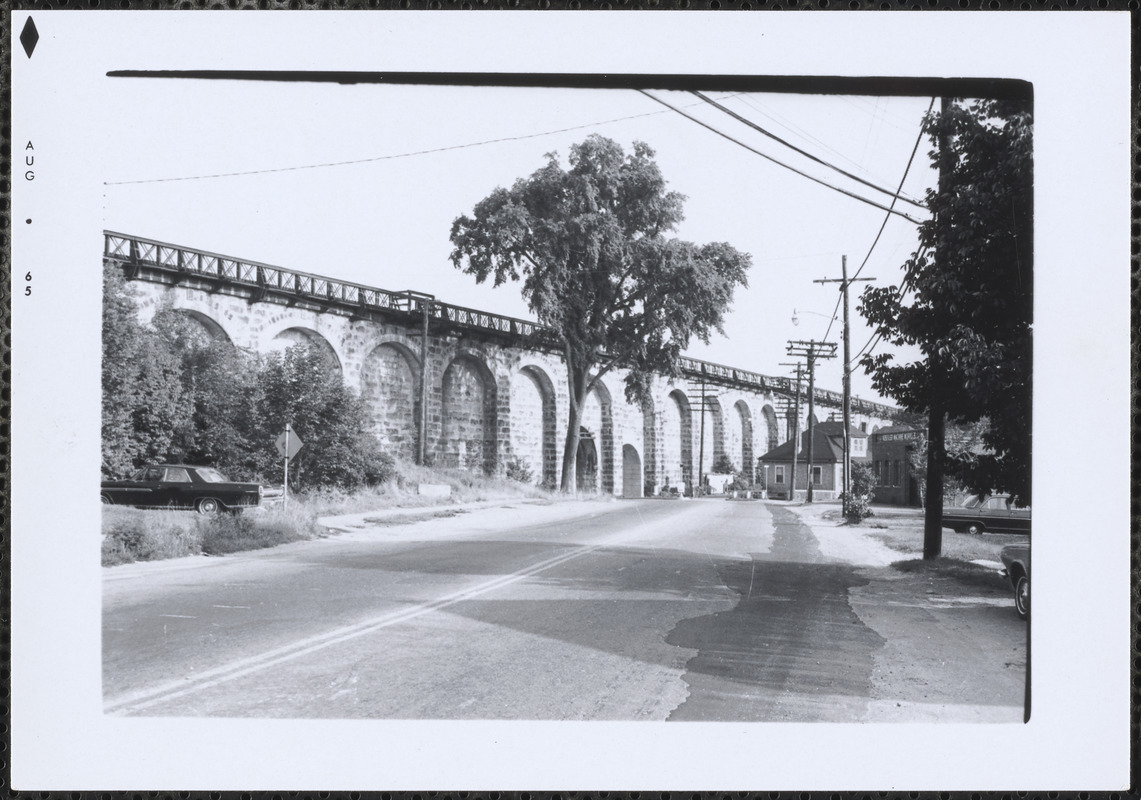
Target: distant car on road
991 513
204 489
1016 559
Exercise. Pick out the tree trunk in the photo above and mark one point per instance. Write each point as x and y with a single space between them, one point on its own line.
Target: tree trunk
576 382
936 452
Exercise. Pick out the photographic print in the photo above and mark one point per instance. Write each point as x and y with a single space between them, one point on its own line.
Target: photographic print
441 390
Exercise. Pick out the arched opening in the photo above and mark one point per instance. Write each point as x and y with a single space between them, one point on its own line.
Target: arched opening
677 442
631 472
586 463
469 416
389 389
598 417
294 336
533 426
746 418
206 324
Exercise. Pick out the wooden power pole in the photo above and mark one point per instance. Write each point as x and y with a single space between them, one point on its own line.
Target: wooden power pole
795 426
844 284
810 351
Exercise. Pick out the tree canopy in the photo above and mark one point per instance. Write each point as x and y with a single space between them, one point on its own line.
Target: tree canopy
173 393
588 245
966 299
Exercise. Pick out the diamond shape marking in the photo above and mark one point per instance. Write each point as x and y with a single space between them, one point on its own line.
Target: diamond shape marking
29 36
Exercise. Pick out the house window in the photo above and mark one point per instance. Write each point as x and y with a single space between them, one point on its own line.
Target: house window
898 474
859 447
817 475
779 477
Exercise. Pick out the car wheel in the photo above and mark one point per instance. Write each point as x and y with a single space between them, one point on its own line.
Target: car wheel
207 505
104 499
974 529
1022 596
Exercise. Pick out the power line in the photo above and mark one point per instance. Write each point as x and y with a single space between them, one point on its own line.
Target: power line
902 180
869 346
894 195
795 129
767 157
383 158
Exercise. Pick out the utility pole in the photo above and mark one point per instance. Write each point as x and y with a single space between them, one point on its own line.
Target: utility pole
810 351
700 489
844 284
422 443
795 426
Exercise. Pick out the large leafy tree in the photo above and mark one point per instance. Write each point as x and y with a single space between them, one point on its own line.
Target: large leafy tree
302 387
589 244
966 301
171 393
144 404
221 382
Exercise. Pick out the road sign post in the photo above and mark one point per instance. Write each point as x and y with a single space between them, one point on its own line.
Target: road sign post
288 443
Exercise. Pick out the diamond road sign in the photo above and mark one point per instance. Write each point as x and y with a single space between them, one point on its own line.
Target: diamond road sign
295 444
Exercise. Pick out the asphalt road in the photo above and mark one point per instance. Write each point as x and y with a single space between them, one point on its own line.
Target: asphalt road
637 610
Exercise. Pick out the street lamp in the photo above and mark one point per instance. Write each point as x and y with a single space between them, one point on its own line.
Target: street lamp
796 319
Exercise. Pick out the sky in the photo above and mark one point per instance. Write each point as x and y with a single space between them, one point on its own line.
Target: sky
362 182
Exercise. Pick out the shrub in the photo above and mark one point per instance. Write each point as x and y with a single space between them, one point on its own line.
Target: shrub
741 482
232 533
723 466
519 470
857 503
130 534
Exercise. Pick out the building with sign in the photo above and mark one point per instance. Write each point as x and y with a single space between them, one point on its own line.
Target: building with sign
891 451
827 469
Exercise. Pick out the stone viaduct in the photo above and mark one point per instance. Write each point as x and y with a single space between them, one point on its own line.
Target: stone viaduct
466 389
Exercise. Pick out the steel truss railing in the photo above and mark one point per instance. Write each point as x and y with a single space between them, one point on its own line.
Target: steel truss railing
263 279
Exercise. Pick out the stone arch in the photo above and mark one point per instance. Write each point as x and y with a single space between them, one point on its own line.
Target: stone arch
389 387
469 401
632 479
747 456
287 334
210 326
598 419
772 429
677 441
533 422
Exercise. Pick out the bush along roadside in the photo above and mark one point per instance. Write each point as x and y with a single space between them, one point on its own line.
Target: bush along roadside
131 534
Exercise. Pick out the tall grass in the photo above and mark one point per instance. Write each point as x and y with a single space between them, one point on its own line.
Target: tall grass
131 534
466 487
232 533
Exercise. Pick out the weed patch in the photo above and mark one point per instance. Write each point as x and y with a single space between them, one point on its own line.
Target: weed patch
131 534
233 533
466 487
404 519
963 571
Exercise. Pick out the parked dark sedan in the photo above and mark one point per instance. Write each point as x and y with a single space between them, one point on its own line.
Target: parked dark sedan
204 489
1016 558
994 514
